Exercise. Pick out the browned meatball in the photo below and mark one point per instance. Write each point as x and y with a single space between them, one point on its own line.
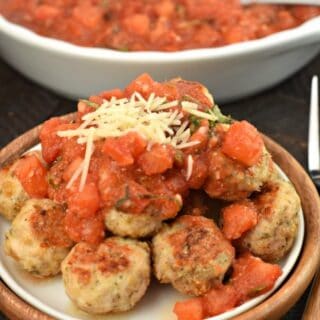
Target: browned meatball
109 277
191 254
273 236
37 239
229 179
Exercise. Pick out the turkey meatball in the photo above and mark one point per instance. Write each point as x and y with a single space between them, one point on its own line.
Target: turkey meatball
12 194
37 239
235 175
132 225
191 254
273 236
110 277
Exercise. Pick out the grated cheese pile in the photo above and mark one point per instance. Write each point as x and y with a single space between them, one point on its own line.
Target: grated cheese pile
154 118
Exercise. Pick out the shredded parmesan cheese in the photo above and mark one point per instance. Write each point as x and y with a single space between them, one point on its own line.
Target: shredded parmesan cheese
190 108
189 167
87 157
156 119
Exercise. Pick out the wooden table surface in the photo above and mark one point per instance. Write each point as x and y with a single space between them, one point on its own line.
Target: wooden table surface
280 112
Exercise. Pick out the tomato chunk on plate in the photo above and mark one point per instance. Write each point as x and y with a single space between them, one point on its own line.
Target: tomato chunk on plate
252 276
238 218
191 309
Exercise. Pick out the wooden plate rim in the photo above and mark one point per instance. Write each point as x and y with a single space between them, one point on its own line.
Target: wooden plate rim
277 304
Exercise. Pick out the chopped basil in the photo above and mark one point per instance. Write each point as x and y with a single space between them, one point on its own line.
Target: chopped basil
179 157
90 103
221 118
54 185
257 290
123 200
186 97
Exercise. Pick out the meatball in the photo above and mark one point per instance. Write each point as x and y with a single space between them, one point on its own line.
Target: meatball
191 254
132 225
109 277
12 194
277 225
37 239
230 179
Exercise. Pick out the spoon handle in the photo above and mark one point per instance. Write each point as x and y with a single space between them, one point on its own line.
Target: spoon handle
296 2
312 310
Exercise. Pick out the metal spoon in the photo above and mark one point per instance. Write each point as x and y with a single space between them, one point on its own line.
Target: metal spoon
313 139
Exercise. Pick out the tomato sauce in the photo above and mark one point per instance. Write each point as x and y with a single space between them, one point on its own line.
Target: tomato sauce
167 25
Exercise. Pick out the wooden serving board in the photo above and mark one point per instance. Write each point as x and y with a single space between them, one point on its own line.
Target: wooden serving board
273 307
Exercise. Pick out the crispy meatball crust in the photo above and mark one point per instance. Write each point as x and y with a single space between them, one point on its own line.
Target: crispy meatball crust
12 194
273 236
191 254
110 277
37 239
230 180
131 225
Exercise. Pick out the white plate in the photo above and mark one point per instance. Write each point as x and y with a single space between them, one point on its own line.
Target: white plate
49 295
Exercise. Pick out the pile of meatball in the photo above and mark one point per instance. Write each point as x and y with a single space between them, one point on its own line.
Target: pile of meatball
193 252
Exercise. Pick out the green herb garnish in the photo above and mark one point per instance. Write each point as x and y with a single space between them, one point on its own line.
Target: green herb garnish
90 103
123 200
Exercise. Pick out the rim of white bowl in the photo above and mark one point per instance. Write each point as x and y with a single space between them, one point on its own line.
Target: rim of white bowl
306 32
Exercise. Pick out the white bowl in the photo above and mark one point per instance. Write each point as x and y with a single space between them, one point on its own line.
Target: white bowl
230 72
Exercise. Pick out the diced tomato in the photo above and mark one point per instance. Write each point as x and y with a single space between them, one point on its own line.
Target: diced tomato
46 12
86 202
134 198
136 144
88 15
107 95
143 84
70 148
191 309
285 20
167 206
243 143
138 24
220 299
124 149
164 8
51 143
118 151
89 229
158 159
304 13
238 218
236 34
252 276
32 175
194 91
167 90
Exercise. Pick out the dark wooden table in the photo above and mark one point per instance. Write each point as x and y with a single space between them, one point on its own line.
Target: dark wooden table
281 113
